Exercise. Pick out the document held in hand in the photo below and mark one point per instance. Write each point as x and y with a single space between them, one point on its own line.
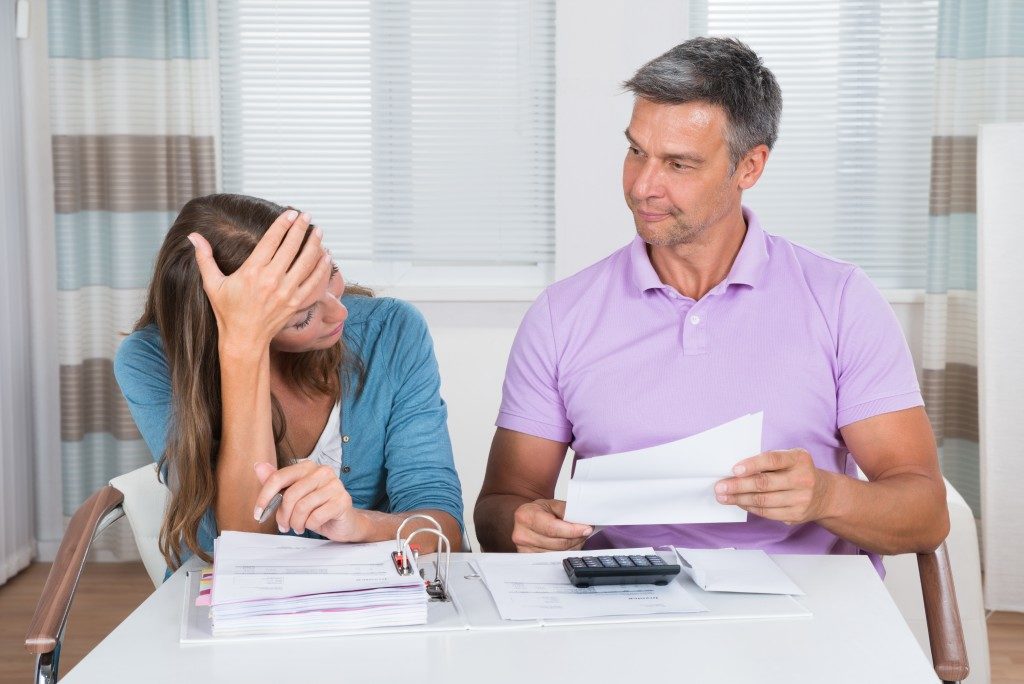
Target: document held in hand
666 484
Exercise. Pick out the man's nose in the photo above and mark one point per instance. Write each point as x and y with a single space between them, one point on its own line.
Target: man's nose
647 182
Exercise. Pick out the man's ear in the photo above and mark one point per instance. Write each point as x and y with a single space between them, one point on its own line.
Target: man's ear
751 166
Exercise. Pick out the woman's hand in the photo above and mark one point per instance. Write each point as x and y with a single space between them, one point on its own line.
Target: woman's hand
314 499
256 301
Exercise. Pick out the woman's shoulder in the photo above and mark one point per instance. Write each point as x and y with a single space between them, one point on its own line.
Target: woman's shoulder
384 313
385 323
144 347
140 365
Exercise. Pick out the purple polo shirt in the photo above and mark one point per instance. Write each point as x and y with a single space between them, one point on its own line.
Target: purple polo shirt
612 359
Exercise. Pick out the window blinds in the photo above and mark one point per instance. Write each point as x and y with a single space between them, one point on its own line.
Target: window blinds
418 133
850 172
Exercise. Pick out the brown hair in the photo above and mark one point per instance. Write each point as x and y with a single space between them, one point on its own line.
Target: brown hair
177 304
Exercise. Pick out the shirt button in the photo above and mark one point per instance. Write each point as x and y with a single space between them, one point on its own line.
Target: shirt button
346 469
695 319
344 438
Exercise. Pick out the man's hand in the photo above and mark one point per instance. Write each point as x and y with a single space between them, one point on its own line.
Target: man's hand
779 485
539 527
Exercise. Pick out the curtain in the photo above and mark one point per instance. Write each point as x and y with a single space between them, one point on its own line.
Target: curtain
16 533
979 79
132 121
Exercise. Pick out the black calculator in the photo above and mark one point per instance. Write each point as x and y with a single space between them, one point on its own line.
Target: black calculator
585 571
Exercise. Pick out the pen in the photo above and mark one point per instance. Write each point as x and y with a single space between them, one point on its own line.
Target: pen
271 507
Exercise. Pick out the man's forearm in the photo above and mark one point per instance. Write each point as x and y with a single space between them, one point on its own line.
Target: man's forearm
898 514
494 516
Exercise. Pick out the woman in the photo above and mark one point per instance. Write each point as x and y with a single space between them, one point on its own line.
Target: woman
250 373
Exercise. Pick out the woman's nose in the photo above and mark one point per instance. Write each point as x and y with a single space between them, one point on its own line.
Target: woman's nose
334 310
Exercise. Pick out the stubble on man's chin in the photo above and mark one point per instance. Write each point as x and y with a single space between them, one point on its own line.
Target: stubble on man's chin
677 234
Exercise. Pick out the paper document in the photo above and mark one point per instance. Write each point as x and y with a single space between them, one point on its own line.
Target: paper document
279 584
667 484
263 566
533 586
749 571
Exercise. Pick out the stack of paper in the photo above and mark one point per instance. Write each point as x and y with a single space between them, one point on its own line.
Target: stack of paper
270 584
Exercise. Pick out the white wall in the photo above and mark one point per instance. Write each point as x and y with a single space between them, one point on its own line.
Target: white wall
472 342
596 52
1000 372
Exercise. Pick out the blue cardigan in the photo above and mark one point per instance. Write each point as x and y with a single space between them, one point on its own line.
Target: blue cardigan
397 451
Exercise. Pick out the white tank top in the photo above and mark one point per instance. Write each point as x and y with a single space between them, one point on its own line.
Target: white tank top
328 448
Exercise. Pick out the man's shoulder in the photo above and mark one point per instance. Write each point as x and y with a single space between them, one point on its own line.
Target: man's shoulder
591 282
820 272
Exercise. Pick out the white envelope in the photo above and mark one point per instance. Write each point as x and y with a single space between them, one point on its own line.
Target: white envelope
748 571
666 484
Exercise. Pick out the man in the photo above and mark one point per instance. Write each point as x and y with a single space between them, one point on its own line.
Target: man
704 318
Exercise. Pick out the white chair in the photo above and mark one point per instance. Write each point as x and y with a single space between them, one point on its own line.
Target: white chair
903 580
145 500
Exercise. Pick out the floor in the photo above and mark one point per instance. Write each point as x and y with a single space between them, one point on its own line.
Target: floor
108 592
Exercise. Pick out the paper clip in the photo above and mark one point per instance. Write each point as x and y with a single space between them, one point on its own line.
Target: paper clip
401 556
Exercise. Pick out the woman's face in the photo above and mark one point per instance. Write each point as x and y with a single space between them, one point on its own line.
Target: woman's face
319 326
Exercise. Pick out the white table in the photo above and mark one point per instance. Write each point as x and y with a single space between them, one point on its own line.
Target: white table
856 635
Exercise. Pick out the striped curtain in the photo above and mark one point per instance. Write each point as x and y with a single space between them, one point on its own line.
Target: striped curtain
980 79
133 126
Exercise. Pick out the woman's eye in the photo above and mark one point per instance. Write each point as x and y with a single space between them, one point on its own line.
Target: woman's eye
302 324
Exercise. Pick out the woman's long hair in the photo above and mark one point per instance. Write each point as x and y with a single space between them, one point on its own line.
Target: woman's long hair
177 304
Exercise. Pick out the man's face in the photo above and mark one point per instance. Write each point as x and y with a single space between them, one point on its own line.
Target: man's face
676 176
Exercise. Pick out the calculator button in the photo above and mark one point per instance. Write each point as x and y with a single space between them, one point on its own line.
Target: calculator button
640 561
624 561
576 562
592 562
608 562
656 560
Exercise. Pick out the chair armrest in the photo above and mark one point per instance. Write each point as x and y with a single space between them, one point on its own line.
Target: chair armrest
945 633
47 626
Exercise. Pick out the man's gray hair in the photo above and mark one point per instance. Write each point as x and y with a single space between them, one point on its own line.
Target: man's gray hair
718 71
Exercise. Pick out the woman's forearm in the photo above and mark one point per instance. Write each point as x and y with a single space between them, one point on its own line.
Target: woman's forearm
247 435
383 526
